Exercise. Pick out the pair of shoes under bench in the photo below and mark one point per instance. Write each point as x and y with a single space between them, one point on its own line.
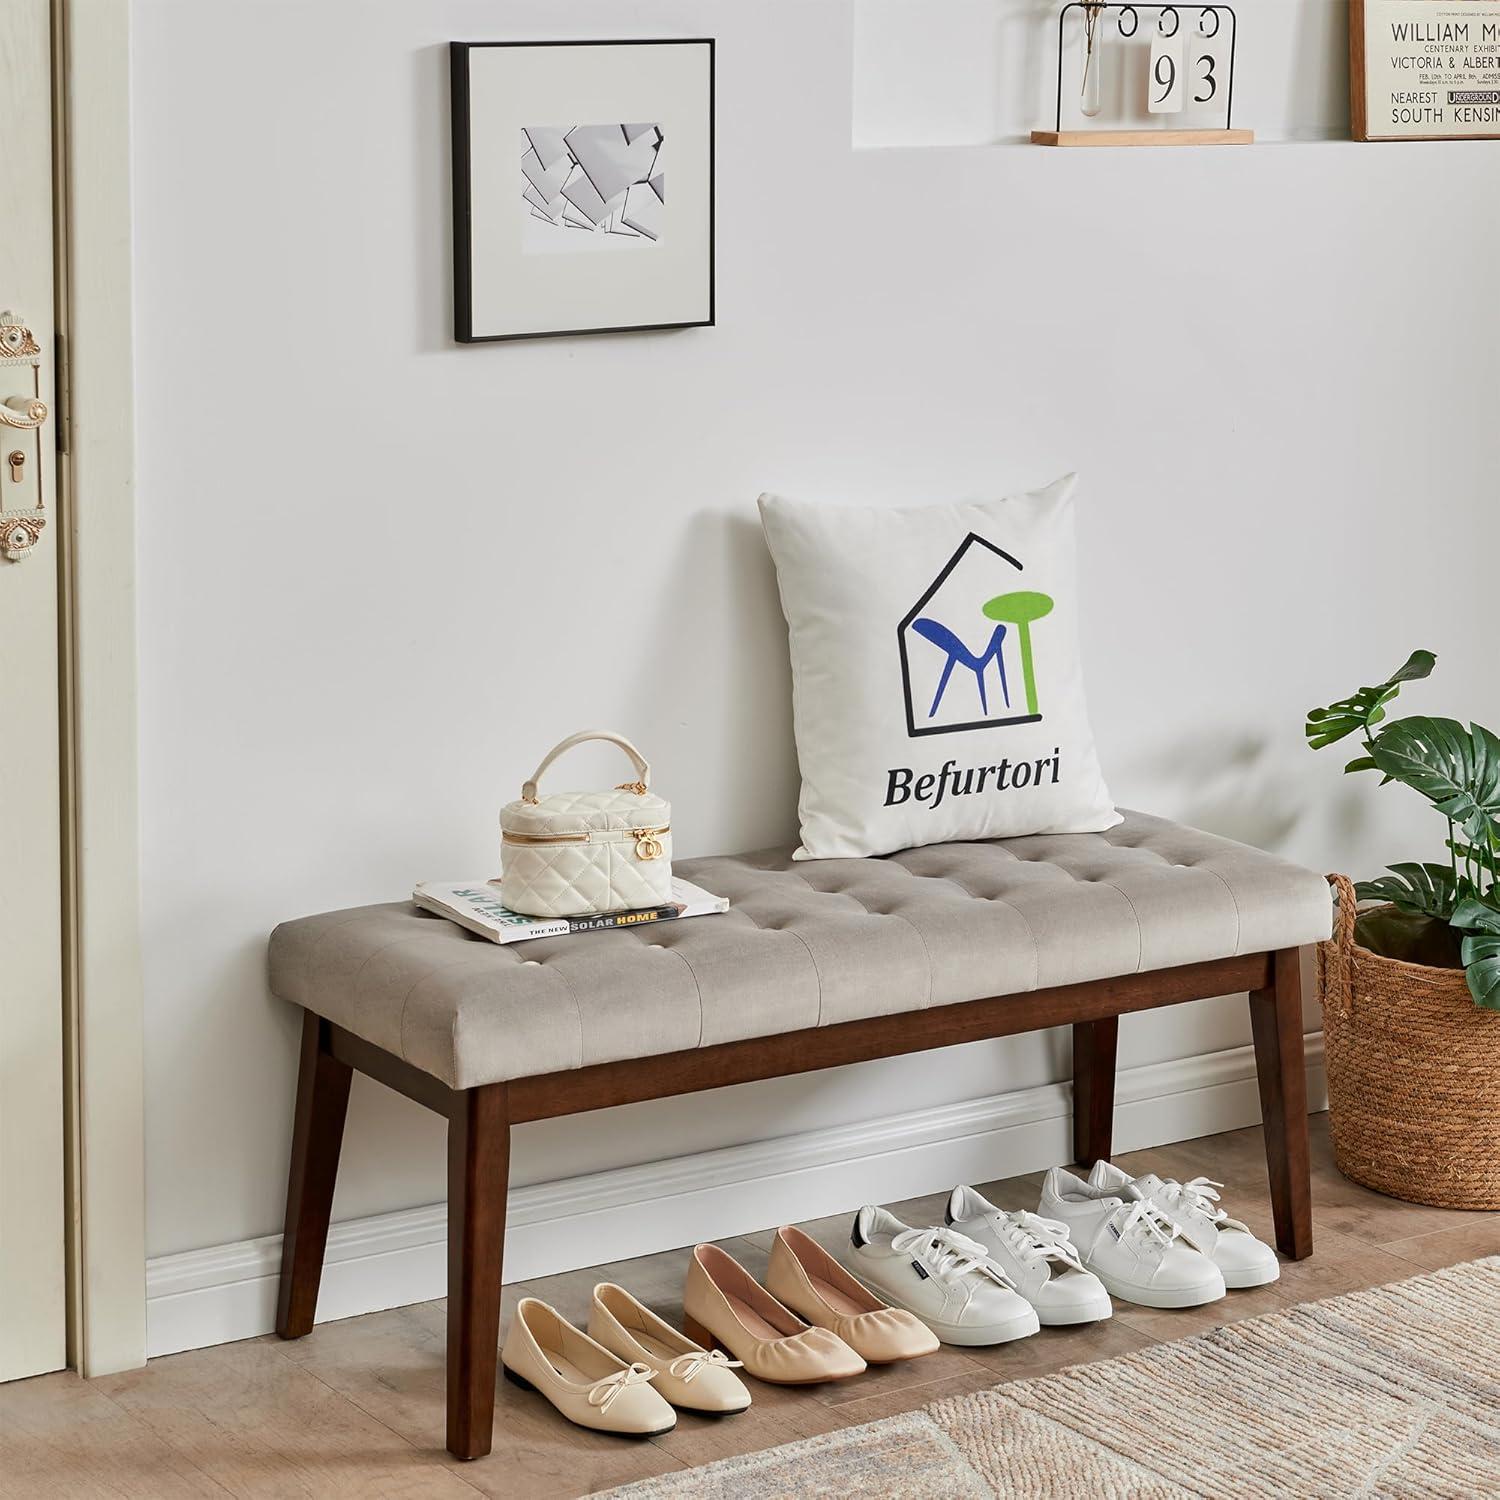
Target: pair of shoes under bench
1153 1242
811 1322
1193 1207
626 1374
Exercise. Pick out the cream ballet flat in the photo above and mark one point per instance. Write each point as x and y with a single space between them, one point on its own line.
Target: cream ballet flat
545 1353
725 1307
688 1376
813 1284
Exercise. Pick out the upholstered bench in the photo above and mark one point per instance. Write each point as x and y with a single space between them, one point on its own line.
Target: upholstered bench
816 963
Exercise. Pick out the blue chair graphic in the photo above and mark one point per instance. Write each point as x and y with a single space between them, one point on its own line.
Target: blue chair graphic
945 640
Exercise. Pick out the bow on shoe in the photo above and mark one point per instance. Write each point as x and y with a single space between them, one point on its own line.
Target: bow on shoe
603 1392
688 1367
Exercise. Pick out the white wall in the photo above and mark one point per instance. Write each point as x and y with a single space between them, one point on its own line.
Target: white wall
379 573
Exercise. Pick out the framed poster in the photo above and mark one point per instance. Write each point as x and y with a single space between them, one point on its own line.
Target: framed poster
1424 70
583 187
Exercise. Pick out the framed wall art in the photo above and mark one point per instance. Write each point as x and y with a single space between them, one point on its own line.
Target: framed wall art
1424 70
583 187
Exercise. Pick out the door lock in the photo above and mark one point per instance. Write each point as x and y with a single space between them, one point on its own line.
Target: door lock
22 415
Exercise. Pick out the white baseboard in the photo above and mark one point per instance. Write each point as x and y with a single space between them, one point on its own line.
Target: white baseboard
228 1292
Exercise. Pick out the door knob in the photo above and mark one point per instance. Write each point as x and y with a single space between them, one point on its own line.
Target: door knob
21 526
24 412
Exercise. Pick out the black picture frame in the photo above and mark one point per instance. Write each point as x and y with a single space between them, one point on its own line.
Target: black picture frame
463 267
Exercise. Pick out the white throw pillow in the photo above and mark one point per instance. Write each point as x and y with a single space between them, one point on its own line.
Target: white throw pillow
936 687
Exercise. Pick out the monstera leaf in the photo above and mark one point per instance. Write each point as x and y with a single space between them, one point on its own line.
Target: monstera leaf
1457 769
1482 970
1424 890
1365 709
1481 950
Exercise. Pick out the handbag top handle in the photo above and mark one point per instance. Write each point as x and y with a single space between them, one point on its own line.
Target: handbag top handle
642 769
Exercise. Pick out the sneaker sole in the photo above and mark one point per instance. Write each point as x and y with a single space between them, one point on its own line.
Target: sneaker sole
950 1333
1160 1297
1238 1281
1093 1312
1006 1333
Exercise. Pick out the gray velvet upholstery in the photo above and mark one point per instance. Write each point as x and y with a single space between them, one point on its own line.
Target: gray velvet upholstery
804 944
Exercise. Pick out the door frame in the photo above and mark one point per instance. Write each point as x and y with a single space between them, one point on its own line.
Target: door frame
103 1015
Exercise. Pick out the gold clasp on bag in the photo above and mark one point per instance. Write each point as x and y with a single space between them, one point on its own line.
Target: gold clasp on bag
647 845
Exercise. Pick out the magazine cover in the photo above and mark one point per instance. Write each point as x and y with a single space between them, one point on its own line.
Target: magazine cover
476 904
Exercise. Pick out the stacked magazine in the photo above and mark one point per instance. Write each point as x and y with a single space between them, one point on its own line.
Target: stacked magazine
476 904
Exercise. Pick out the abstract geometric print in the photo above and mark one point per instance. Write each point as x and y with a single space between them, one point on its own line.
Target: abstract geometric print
606 182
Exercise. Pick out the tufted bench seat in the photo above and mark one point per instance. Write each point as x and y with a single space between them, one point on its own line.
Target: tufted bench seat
816 963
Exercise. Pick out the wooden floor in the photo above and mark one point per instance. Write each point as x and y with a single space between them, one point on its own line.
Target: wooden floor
357 1408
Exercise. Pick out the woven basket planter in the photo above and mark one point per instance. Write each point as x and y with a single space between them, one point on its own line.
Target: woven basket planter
1413 1074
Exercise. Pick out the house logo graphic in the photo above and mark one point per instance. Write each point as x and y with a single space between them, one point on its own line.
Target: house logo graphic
967 653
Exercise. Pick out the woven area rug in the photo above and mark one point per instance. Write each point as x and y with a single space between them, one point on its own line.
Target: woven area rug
1389 1392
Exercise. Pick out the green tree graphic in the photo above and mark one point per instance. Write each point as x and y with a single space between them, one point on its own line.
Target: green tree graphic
1020 609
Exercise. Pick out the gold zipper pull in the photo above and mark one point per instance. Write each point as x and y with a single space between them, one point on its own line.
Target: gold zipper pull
647 845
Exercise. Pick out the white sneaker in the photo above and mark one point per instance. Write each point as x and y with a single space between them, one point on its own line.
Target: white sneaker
1193 1208
1036 1255
1129 1244
943 1277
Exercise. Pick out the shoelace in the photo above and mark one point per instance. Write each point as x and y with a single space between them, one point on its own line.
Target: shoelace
1034 1238
603 1392
946 1253
688 1367
1149 1219
1201 1194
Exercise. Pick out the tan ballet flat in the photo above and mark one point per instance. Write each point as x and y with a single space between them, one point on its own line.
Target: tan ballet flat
812 1283
725 1307
545 1353
691 1377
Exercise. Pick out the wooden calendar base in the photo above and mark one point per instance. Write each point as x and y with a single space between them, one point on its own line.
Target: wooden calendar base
1142 137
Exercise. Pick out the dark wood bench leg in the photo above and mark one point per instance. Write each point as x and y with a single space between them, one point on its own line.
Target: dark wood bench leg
1094 1045
317 1133
478 1175
1276 1020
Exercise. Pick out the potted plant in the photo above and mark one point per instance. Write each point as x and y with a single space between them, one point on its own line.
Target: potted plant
1411 987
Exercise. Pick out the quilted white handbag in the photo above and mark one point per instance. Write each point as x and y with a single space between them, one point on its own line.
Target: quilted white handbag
574 852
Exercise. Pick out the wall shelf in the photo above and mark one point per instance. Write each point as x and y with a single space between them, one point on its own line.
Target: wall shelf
1142 137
